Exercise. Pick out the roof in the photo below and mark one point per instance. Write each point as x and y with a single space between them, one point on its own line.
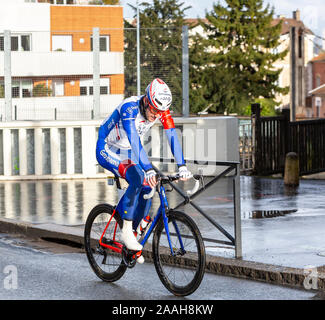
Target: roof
194 22
318 91
320 57
288 23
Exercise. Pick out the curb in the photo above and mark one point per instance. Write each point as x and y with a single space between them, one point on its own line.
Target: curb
218 265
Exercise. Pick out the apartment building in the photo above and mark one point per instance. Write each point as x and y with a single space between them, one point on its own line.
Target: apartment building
304 52
51 53
316 85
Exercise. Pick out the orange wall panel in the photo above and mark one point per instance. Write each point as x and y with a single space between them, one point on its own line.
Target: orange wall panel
80 20
117 83
71 87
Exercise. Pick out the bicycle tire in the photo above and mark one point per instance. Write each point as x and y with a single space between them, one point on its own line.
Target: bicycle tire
98 218
193 259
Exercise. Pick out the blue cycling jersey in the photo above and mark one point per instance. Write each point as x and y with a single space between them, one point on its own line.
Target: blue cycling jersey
123 129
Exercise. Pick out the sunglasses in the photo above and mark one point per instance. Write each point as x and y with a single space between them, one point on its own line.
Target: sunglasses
153 109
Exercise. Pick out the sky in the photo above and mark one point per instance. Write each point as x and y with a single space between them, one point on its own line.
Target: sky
312 11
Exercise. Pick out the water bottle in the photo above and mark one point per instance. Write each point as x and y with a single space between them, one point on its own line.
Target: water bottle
143 225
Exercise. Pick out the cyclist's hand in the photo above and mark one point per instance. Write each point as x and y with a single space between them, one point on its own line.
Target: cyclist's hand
150 177
184 173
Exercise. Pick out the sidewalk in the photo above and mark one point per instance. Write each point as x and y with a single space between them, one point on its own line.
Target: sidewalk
283 233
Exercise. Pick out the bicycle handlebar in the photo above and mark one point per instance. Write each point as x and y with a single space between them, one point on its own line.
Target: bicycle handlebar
166 179
150 194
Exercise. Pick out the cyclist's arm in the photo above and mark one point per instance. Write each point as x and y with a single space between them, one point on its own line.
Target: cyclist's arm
169 126
107 125
128 116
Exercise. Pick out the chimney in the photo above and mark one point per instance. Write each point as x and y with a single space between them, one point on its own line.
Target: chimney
296 15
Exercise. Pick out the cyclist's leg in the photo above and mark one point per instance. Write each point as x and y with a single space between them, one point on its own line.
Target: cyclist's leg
128 203
116 161
143 207
112 159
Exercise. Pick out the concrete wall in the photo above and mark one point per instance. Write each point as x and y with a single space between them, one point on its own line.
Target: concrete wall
23 17
66 149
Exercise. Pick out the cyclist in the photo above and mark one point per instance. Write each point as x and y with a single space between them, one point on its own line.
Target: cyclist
120 151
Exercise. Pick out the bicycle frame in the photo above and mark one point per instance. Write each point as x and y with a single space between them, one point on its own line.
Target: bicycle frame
161 212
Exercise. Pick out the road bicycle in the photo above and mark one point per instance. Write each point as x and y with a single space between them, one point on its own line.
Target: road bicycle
178 250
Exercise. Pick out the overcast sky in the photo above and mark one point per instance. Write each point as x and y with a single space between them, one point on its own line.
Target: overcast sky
312 11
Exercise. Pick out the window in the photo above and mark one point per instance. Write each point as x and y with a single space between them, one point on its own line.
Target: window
58 1
15 88
18 43
83 91
19 88
26 88
103 90
25 43
103 43
57 88
300 46
86 87
2 90
61 43
317 81
300 80
14 43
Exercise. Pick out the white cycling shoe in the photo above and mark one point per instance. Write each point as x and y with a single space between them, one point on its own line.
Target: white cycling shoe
140 259
129 238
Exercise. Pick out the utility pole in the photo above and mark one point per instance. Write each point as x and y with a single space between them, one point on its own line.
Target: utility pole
185 69
96 73
7 76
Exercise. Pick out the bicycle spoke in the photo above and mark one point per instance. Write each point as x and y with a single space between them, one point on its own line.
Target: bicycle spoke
181 270
106 263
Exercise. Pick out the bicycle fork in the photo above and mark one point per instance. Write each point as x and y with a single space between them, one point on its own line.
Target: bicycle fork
164 205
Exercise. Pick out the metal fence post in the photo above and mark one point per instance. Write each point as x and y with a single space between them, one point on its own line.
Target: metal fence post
237 214
256 136
96 73
185 69
7 76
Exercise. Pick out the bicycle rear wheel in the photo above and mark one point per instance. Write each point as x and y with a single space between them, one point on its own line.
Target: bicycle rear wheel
182 270
107 264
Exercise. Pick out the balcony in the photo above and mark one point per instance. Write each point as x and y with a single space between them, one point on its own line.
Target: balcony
58 63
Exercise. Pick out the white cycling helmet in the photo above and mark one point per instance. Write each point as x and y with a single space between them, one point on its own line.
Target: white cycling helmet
159 95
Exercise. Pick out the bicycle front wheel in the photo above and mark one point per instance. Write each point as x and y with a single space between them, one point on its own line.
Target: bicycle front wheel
181 268
107 264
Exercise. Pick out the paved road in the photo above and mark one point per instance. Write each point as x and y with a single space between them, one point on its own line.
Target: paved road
46 271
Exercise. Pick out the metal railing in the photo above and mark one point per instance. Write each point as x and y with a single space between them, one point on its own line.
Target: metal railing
231 166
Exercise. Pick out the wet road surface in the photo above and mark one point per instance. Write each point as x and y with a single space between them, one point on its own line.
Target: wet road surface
280 226
45 271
